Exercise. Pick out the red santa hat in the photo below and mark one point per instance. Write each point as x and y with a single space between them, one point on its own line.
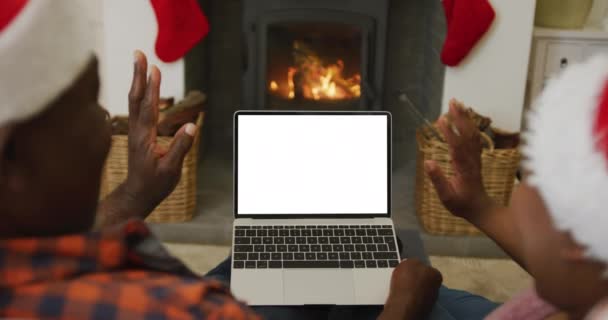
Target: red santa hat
44 46
567 152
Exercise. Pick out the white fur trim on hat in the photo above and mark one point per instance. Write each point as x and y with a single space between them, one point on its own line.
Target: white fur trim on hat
566 165
42 51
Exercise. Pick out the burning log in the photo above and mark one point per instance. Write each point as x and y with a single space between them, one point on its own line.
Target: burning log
310 78
345 85
298 88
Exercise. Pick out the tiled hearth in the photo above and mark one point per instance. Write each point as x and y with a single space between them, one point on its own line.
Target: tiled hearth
415 34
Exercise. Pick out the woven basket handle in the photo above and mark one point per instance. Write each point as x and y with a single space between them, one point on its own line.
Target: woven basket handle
422 138
488 140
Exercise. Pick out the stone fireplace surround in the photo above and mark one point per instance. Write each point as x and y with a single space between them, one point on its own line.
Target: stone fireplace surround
415 33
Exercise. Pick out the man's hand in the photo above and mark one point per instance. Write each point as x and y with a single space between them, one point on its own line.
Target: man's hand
413 292
153 171
463 194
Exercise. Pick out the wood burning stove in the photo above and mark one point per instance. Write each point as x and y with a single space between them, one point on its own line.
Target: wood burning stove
314 55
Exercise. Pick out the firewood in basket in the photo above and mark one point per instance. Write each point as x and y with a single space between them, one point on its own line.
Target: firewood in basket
172 118
481 122
505 140
165 103
120 126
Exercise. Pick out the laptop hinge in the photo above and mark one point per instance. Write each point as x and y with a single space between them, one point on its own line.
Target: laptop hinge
375 220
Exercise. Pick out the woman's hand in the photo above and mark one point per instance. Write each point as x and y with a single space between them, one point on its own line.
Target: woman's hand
463 194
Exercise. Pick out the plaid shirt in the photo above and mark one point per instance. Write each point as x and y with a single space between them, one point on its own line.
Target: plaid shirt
120 273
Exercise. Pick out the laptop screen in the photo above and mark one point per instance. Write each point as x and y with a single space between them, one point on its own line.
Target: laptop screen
312 163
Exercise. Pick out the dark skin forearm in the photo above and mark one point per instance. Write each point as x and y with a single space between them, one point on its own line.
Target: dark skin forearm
498 223
118 207
463 193
413 292
396 310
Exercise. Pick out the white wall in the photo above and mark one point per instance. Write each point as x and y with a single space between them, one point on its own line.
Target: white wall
492 78
123 27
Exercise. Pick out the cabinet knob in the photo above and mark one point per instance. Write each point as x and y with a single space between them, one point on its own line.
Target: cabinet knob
563 63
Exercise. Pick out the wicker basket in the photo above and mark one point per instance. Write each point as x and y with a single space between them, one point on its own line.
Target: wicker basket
499 167
180 205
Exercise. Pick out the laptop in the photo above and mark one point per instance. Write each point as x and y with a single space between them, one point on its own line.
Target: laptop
312 195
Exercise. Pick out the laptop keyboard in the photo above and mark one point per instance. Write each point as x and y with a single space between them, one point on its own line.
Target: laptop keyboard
322 246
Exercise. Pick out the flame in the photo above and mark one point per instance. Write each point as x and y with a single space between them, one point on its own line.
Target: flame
311 79
274 86
290 72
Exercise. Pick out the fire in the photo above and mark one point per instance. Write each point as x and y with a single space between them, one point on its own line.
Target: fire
274 86
311 79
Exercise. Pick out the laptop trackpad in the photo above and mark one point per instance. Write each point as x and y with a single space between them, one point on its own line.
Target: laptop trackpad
320 286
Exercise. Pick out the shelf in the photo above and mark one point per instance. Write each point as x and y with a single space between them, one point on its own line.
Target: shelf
587 33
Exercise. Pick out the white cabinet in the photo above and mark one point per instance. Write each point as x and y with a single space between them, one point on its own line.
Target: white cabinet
593 48
555 49
559 55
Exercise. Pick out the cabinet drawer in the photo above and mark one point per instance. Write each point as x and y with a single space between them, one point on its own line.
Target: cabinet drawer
596 48
562 54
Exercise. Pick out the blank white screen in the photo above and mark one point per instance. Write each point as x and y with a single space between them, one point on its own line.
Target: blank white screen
312 164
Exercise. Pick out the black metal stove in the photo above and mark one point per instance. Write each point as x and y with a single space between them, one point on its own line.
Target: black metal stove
314 55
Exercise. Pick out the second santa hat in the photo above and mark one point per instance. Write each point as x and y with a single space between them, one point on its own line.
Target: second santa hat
567 152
